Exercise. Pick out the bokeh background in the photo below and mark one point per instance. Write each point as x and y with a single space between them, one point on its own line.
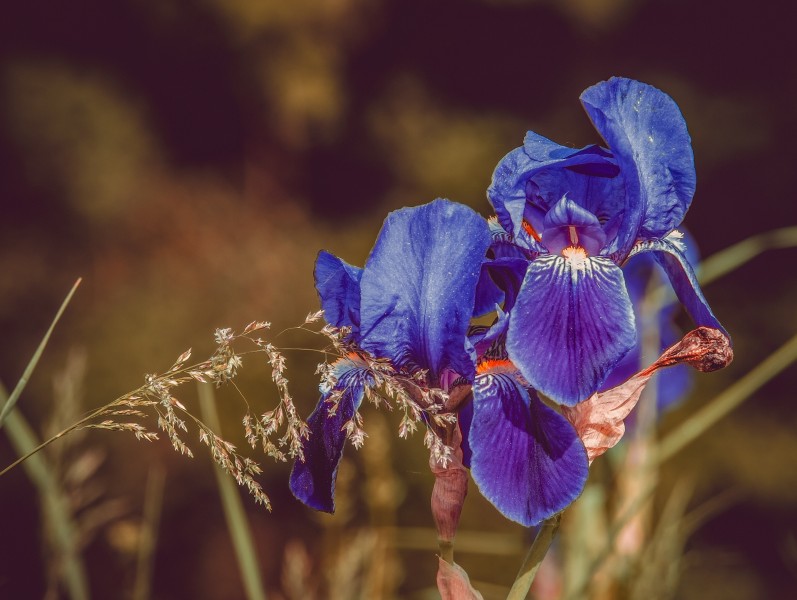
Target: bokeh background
188 158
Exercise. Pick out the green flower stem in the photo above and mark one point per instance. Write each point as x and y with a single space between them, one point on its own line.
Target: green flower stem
233 508
153 503
23 381
727 400
54 504
534 558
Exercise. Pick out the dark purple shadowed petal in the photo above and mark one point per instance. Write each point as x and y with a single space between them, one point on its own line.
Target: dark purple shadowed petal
418 287
313 481
602 195
647 135
527 460
499 283
338 286
572 323
465 420
488 293
683 281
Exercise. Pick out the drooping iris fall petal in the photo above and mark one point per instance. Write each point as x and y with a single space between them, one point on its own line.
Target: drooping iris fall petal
527 460
683 280
312 481
571 324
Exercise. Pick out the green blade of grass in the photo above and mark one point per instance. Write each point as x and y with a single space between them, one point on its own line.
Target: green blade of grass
54 504
731 258
153 503
23 381
233 509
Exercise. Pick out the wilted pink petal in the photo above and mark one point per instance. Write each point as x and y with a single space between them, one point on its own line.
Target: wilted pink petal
454 584
599 419
450 488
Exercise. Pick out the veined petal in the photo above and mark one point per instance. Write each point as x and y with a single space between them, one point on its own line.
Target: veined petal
419 285
647 135
338 286
571 324
313 481
526 458
683 281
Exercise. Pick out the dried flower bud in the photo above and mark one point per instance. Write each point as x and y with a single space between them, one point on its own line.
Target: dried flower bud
450 489
454 584
704 348
599 419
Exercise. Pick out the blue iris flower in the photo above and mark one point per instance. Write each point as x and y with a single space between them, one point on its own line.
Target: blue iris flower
577 215
412 304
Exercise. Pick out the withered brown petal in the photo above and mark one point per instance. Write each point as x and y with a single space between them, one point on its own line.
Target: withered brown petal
599 419
453 583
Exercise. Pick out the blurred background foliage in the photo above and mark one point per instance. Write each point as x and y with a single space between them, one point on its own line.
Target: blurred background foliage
188 158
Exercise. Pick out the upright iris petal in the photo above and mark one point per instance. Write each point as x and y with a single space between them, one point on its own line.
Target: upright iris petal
338 285
411 305
647 135
418 288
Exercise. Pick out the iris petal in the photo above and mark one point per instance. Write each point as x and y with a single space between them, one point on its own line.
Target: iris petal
579 172
683 281
313 480
338 286
647 135
526 458
571 324
568 224
419 284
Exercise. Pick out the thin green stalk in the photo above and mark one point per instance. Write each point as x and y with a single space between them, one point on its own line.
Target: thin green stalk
233 509
23 381
731 258
153 503
58 435
520 589
727 400
54 503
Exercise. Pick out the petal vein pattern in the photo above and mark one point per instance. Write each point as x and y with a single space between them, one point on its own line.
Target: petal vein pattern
419 286
571 324
526 458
